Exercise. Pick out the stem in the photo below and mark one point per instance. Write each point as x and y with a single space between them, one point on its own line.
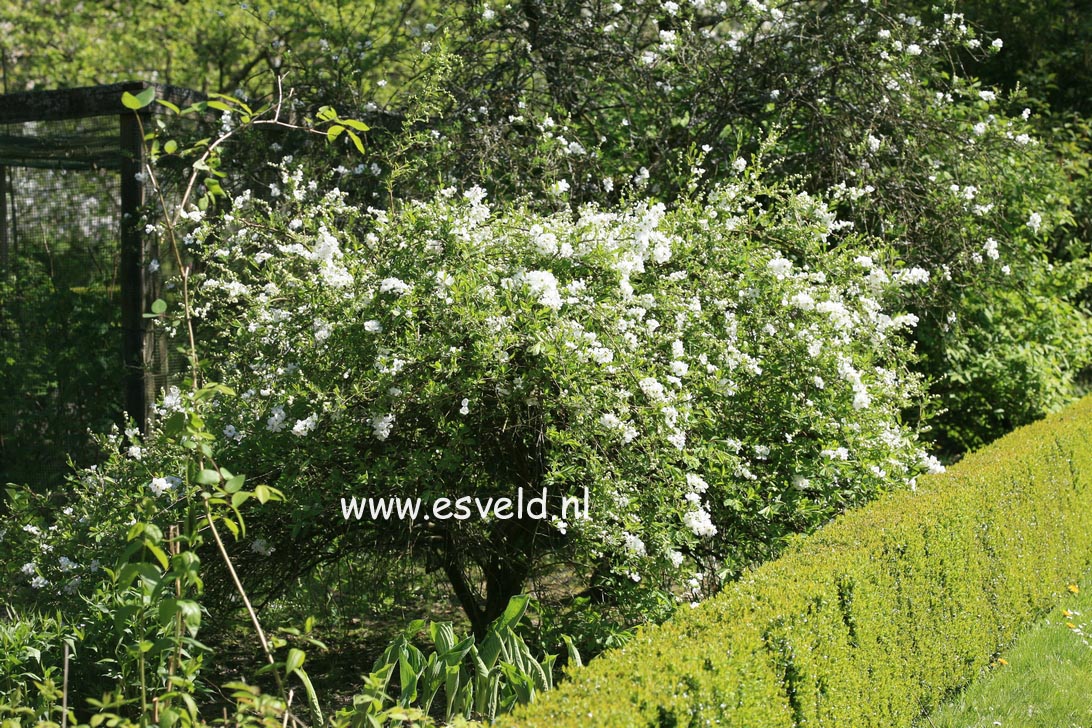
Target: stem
64 690
246 601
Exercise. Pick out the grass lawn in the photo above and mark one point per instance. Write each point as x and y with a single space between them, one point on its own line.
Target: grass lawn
1043 679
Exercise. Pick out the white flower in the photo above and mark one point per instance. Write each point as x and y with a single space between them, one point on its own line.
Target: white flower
739 164
913 49
861 400
382 426
675 558
160 486
560 187
803 301
634 544
779 266
838 453
679 368
66 564
990 246
373 327
29 568
987 95
912 276
275 423
38 582
303 427
394 285
997 44
696 483
544 285
931 464
262 547
652 389
135 452
1035 221
465 408
700 523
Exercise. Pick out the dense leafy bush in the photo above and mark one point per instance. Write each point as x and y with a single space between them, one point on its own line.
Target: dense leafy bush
667 362
609 97
874 618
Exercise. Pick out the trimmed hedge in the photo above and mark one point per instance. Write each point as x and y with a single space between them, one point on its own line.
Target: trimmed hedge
874 618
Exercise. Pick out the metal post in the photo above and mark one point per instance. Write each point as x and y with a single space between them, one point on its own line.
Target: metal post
133 271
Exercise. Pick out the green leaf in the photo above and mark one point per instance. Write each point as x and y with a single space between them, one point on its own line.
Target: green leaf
312 697
173 107
159 306
334 131
170 147
208 477
234 484
262 493
159 555
356 141
231 526
354 124
174 424
140 100
517 605
574 654
294 661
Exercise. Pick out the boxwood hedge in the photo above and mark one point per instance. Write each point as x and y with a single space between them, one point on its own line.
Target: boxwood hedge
873 619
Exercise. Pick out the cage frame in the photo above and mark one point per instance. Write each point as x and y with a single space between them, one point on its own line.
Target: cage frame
136 289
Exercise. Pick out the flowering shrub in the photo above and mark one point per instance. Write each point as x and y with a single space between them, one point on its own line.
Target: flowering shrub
717 377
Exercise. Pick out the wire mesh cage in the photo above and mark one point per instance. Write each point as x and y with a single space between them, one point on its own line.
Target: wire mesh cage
77 272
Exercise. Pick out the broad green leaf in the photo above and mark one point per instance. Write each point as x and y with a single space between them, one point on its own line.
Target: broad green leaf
208 477
294 661
139 101
234 484
354 124
159 306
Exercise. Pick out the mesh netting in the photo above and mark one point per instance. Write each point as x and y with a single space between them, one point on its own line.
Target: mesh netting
62 277
60 317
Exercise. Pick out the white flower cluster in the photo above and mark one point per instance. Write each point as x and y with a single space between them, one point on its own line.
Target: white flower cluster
603 321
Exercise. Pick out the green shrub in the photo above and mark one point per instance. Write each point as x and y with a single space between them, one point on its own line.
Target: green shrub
874 618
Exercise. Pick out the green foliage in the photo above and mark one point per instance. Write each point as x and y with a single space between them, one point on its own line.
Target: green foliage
482 679
667 362
53 395
875 618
